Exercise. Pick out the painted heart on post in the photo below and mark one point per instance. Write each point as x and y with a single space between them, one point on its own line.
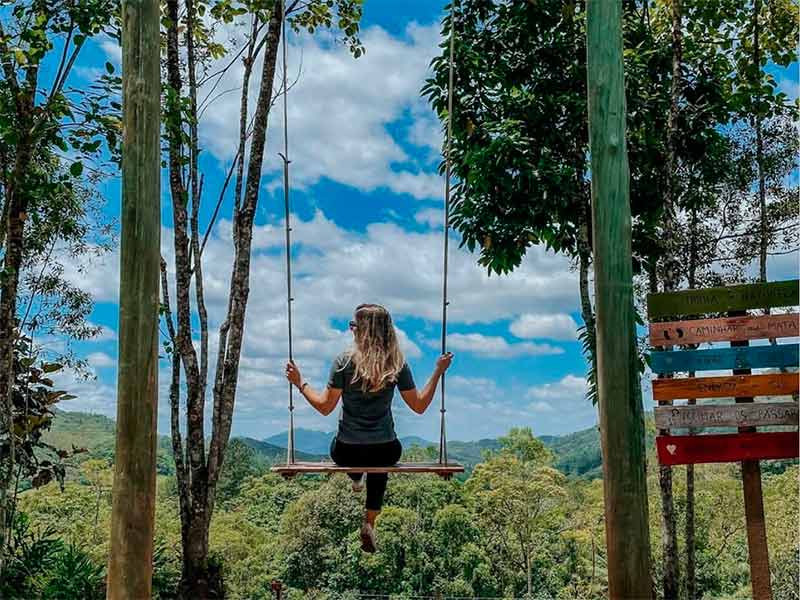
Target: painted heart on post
672 448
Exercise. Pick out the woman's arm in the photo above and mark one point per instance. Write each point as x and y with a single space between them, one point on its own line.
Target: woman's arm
419 401
324 402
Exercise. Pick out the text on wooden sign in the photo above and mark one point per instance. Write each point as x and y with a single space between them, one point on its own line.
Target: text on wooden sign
758 414
723 299
747 357
724 329
727 386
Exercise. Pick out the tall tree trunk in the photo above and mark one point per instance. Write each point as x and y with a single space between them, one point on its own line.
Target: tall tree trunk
130 566
229 353
198 471
585 252
671 578
17 205
691 576
194 583
762 191
619 389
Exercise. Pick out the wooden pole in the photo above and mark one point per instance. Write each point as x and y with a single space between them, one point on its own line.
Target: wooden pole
754 507
621 414
133 513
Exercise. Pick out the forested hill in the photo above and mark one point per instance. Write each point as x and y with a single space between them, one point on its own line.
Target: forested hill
577 454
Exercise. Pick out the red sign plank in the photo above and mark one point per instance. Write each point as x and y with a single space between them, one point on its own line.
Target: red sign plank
727 386
724 330
721 448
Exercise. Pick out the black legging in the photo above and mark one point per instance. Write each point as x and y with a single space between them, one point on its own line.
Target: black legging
368 455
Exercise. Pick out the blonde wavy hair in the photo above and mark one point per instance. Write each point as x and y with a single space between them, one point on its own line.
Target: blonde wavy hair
376 355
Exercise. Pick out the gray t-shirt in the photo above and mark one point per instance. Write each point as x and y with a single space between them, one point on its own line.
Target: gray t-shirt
366 417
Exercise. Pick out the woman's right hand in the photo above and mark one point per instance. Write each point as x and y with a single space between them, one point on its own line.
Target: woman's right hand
293 374
443 362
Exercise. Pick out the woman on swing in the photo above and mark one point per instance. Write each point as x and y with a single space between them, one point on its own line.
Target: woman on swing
365 377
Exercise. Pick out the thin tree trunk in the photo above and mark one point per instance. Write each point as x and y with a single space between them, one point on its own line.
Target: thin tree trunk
17 206
174 405
671 579
240 276
762 192
198 472
194 581
691 576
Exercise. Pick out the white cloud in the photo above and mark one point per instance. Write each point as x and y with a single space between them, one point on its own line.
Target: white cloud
338 126
113 51
335 270
92 396
100 360
561 406
559 326
431 217
495 346
106 333
566 389
96 273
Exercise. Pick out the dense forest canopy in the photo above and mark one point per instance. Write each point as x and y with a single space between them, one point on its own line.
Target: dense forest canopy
515 515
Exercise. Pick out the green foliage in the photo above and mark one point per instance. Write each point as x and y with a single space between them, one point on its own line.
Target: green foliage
42 566
482 537
521 443
33 397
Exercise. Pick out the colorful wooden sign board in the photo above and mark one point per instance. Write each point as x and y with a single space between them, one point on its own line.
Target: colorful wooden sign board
782 412
730 329
717 359
734 447
724 299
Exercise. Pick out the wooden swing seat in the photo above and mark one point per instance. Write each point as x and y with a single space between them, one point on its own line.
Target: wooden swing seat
445 471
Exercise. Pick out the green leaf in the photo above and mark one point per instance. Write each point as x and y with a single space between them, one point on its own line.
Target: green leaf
109 68
76 169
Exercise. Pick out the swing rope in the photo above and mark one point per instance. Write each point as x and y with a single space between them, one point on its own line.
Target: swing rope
448 166
290 451
289 299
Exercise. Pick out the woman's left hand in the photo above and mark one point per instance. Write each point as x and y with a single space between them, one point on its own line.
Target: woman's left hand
293 374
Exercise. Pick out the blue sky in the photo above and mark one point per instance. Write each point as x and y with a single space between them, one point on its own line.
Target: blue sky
367 205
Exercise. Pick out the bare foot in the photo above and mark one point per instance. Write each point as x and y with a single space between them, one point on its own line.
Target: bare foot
369 543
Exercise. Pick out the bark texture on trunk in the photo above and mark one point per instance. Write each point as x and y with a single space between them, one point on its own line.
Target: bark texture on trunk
671 265
619 389
130 565
16 206
230 352
691 575
197 470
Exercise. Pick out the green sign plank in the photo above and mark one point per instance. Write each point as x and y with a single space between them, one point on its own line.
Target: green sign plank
745 357
723 299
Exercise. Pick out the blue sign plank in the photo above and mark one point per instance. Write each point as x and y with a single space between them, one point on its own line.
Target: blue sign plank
747 357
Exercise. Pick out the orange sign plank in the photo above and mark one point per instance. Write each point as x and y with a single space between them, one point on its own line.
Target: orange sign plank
727 386
724 330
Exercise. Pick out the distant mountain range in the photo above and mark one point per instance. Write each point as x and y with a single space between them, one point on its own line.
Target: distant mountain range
577 454
319 442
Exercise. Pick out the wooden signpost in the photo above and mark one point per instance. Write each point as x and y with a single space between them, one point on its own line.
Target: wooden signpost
748 446
724 299
716 359
725 329
731 447
728 386
728 415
